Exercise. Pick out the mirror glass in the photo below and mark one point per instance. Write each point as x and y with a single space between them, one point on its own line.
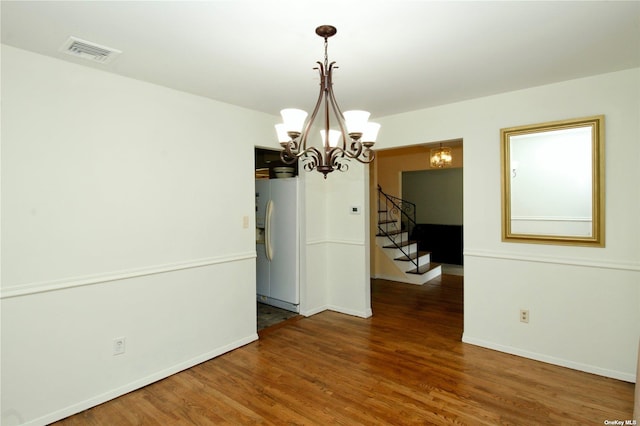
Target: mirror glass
553 182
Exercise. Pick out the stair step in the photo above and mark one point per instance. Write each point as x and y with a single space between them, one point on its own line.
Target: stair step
390 233
423 269
384 222
400 244
412 256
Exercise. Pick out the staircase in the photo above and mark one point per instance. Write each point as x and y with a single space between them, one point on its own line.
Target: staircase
396 220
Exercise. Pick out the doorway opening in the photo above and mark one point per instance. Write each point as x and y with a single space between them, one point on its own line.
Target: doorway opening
437 195
396 168
277 199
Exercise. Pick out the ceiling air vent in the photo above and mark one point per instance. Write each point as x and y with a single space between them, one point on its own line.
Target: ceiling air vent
89 50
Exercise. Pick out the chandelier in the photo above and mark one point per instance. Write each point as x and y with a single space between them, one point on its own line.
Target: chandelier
352 139
441 157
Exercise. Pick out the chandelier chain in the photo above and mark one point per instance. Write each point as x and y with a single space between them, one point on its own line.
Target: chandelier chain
326 56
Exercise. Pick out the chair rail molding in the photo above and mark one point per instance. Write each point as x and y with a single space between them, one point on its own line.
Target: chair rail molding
572 261
65 283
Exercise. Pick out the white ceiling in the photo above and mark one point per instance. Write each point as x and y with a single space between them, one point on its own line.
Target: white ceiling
393 55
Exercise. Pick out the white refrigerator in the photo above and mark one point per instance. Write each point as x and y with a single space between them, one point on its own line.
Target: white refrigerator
277 243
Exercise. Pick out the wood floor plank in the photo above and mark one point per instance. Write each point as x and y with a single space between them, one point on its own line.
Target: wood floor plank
405 365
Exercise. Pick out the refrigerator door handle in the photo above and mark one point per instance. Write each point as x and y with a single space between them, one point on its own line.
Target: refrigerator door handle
268 247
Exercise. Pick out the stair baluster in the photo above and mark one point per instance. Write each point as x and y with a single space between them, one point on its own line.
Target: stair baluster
396 210
396 223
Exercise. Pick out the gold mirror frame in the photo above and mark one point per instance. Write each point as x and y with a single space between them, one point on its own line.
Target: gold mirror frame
555 132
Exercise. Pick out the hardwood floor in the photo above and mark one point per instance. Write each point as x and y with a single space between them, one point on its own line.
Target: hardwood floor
404 365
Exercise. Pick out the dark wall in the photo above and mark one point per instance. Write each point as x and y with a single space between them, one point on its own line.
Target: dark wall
443 241
437 194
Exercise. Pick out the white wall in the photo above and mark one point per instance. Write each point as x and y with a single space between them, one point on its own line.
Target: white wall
313 292
118 221
337 251
348 265
583 302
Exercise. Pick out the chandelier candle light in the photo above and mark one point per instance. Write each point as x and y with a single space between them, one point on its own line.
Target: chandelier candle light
352 140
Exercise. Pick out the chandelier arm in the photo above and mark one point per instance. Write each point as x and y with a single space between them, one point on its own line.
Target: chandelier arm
312 157
340 162
291 148
367 156
354 148
326 88
287 157
336 110
335 154
307 127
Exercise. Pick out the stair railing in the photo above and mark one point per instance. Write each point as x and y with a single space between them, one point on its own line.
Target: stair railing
391 211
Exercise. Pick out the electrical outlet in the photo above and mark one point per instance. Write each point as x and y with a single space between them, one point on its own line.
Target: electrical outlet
119 346
245 222
524 315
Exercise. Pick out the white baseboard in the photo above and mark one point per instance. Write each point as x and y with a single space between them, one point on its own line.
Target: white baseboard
311 312
362 314
619 375
398 279
114 393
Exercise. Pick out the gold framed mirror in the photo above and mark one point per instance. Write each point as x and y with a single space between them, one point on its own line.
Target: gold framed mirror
553 182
